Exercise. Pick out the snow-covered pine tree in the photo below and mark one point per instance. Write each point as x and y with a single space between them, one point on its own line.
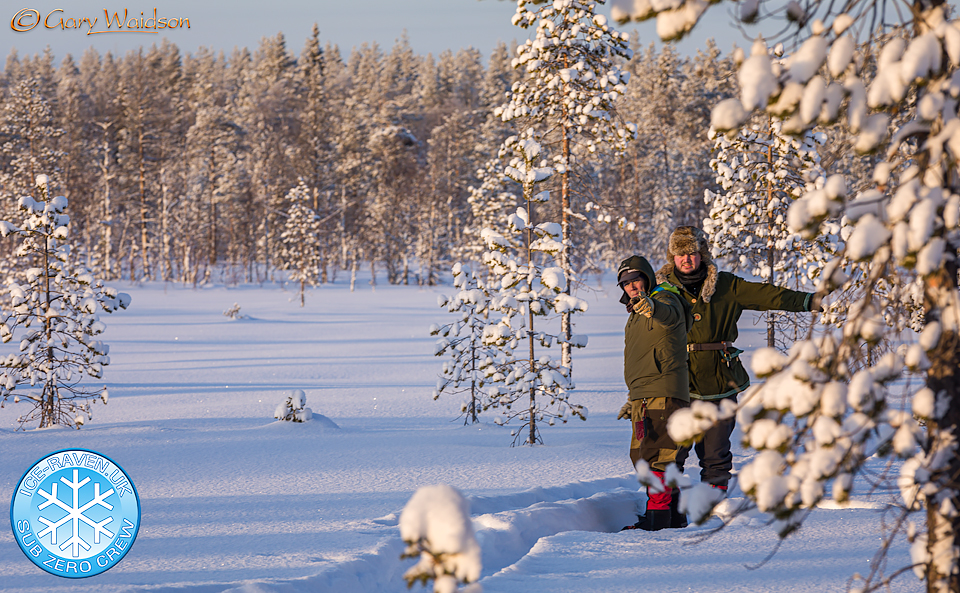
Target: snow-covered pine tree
530 285
668 100
217 184
396 149
138 157
822 413
470 359
761 171
451 165
99 78
73 115
298 250
172 125
490 200
567 94
657 183
352 166
54 311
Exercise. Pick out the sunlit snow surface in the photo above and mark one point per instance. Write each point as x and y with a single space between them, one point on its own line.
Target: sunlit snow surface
235 500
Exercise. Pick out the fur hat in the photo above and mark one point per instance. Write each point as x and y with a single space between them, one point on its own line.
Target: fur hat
684 241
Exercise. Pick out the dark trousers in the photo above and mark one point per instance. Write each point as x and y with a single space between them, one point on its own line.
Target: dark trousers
716 460
651 442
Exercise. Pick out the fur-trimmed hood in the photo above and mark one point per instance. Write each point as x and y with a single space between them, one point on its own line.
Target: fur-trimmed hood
709 284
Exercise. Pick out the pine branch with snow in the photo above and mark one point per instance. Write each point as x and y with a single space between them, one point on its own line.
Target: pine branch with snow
435 524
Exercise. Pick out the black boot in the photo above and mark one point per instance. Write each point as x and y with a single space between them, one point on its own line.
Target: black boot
678 520
652 520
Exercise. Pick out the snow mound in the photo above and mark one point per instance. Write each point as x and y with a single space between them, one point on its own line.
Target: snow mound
317 421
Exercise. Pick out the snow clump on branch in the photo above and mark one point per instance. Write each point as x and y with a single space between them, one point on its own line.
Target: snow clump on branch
435 524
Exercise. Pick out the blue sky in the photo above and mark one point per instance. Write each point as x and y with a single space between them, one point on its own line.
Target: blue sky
431 25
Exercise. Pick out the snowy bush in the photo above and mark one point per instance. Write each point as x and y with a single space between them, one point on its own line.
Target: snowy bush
53 310
435 524
293 408
234 312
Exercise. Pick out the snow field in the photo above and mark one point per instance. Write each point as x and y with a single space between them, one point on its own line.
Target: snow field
233 500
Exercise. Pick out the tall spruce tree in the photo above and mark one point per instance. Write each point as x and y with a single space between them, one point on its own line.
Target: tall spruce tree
315 150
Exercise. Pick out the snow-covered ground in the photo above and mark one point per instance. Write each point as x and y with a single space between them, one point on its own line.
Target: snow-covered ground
232 500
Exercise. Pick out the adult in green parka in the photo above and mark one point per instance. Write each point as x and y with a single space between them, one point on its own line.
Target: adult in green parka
717 299
655 371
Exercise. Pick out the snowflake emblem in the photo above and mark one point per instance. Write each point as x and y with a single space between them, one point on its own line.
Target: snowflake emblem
75 514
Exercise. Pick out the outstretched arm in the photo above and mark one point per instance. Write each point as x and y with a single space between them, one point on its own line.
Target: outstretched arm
759 296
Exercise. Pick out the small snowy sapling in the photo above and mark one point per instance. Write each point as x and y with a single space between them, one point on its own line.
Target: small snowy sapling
435 524
299 245
294 408
54 304
470 361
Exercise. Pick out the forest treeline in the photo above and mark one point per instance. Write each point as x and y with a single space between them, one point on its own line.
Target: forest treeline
189 167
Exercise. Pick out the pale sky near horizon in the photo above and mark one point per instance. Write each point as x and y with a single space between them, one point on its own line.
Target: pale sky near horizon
431 25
